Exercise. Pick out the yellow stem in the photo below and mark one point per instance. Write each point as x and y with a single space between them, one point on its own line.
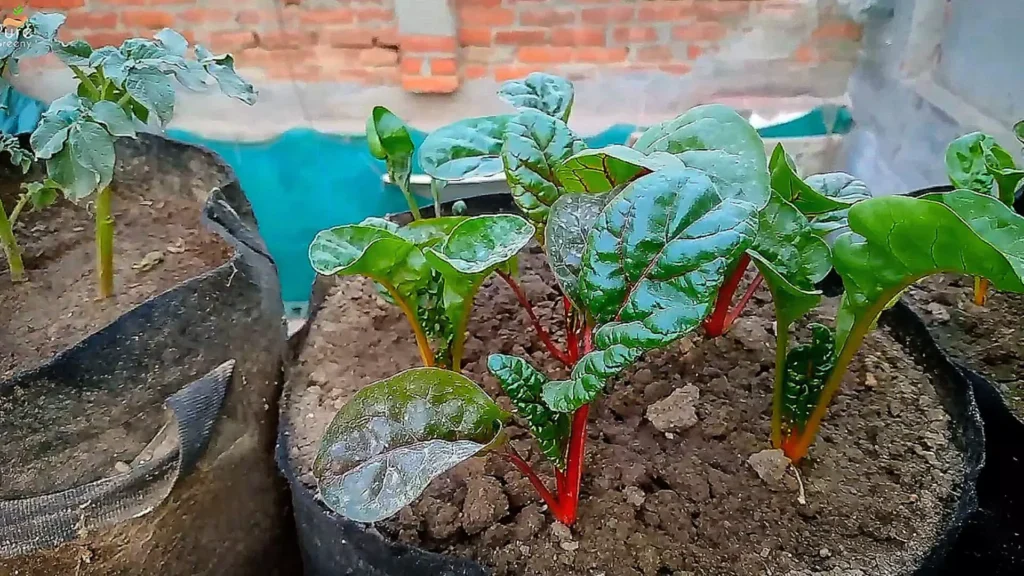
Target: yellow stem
459 343
104 244
781 348
980 290
421 338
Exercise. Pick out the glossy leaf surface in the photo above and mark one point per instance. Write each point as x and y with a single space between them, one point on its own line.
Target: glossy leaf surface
605 169
524 386
565 237
548 94
807 368
466 149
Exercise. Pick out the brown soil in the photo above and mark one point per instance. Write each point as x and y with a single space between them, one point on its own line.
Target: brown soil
989 338
878 480
57 307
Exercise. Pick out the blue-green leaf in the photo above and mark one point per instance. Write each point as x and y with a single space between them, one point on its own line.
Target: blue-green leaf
466 149
545 93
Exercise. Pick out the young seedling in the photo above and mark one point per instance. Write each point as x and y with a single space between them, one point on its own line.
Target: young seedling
978 163
38 195
389 140
640 243
117 89
892 243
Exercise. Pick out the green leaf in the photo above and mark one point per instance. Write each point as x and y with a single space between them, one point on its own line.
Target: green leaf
174 42
20 157
1018 131
50 135
534 144
466 149
430 231
75 180
474 249
37 37
565 237
718 141
608 168
40 194
545 93
93 148
152 89
896 241
222 68
807 368
786 241
110 115
114 64
786 182
655 260
394 436
841 187
390 140
791 301
74 53
977 162
383 256
524 386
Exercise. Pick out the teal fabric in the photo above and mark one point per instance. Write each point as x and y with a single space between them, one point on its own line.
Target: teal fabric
20 114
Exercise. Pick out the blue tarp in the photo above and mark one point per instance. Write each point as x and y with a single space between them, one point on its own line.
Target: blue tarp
22 113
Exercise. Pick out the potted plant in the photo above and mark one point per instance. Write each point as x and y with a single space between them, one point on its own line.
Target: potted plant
632 248
142 388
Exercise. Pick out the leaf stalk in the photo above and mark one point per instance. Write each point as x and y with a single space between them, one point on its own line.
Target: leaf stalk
104 244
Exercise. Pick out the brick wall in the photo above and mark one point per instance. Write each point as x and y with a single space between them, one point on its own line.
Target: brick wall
361 40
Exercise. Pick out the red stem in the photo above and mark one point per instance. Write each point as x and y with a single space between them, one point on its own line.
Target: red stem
718 322
570 497
550 499
541 332
743 301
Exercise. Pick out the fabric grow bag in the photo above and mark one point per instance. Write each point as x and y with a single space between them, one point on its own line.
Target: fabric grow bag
193 375
331 545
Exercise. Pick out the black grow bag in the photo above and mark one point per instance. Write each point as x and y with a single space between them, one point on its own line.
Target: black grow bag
334 546
147 448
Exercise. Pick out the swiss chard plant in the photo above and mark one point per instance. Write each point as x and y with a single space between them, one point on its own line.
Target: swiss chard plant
892 242
640 241
36 195
977 162
119 90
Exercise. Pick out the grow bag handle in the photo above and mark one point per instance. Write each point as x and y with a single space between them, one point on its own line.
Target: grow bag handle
219 214
42 522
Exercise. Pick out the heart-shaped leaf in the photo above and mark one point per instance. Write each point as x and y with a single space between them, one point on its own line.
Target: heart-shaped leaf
608 168
718 141
474 249
430 231
656 257
534 143
466 149
394 436
524 386
548 94
788 184
565 237
113 118
841 187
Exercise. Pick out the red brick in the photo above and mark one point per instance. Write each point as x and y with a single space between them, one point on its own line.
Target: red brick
203 15
249 17
92 20
601 55
59 4
378 57
444 67
474 16
654 54
578 37
544 55
699 31
232 41
98 39
152 19
521 37
629 34
806 54
664 11
121 2
723 9
474 71
170 2
609 15
475 36
546 17
412 65
420 43
505 73
281 39
349 38
430 84
483 3
677 68
373 14
837 30
387 37
325 16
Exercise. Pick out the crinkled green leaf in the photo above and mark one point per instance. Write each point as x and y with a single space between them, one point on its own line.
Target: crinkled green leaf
74 53
37 37
75 180
605 169
897 240
113 117
52 132
40 194
977 162
152 89
466 149
786 241
718 141
534 143
394 436
93 148
807 368
19 156
174 42
430 231
114 64
524 386
655 260
565 236
383 256
389 140
222 68
551 95
841 187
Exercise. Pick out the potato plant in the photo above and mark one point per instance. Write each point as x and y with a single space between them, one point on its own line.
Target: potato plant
119 90
977 162
36 195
